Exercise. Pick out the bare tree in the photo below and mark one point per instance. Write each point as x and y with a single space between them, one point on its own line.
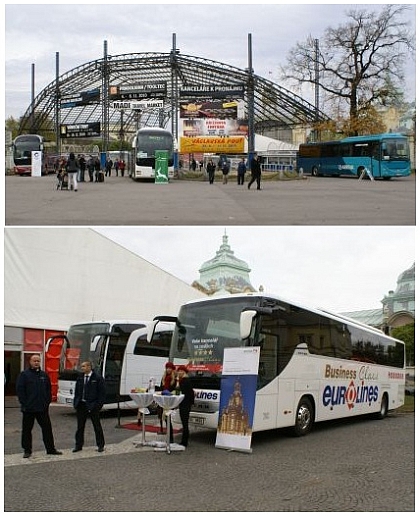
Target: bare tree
360 62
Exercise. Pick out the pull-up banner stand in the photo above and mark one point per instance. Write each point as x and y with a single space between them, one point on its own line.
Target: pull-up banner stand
161 167
237 398
36 160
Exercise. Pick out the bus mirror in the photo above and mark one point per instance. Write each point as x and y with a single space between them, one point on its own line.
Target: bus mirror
151 327
247 318
94 343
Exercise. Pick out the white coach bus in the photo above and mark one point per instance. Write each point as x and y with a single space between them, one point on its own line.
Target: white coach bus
314 365
119 351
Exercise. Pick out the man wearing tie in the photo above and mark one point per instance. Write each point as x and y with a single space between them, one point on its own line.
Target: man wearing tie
89 398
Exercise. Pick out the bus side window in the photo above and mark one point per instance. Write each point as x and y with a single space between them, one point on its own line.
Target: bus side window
376 151
267 369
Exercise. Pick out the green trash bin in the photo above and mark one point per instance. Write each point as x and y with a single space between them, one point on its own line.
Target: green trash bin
161 167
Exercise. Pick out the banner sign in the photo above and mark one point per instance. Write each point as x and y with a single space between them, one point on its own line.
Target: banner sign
80 99
36 163
214 92
139 104
80 130
155 90
237 398
220 110
214 127
227 145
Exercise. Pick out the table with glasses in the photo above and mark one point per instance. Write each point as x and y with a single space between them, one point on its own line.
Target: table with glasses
142 400
169 402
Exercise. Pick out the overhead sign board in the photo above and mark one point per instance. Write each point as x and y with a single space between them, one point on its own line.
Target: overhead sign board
155 90
137 104
80 99
214 92
80 130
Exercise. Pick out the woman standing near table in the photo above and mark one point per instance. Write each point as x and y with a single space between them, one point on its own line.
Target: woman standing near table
183 384
167 384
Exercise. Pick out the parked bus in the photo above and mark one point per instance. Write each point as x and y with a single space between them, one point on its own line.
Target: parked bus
23 145
119 351
314 365
383 155
146 142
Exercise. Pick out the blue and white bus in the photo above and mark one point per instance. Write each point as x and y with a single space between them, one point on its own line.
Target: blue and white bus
383 155
314 365
147 141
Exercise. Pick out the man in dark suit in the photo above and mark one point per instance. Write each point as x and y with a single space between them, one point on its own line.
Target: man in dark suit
89 398
34 392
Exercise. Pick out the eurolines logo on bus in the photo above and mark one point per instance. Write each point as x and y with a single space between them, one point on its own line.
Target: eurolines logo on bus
350 394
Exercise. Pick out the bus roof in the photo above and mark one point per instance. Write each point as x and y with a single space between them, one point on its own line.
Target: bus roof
112 321
357 139
319 311
370 137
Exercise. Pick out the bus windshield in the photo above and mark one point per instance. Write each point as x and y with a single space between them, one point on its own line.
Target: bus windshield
79 341
204 330
23 147
149 142
395 149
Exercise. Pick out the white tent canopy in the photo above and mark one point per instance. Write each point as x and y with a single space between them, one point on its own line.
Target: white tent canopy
55 277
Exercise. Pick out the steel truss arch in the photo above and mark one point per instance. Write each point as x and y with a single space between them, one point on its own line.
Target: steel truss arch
274 106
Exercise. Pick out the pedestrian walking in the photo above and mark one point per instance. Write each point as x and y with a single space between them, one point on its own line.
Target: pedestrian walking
241 171
121 167
33 389
97 166
82 168
72 169
108 167
91 168
116 166
225 172
211 169
89 397
255 171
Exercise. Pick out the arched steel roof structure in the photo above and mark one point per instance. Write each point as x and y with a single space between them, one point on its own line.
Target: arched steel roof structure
273 104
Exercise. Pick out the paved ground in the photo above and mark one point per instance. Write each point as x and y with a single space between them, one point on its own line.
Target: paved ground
353 465
121 201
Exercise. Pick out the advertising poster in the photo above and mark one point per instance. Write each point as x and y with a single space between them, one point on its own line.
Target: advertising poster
237 398
36 157
229 145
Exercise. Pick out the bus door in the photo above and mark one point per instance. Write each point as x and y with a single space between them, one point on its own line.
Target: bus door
112 367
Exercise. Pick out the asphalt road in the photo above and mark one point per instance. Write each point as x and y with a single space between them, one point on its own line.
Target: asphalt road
358 464
121 201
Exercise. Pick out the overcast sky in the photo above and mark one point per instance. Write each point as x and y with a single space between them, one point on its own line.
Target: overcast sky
337 268
34 33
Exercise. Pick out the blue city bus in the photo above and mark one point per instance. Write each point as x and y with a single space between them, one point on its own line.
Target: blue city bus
383 155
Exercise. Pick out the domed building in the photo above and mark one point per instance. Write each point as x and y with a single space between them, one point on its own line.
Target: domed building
399 305
224 273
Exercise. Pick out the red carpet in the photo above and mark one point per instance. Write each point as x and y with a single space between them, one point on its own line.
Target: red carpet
149 428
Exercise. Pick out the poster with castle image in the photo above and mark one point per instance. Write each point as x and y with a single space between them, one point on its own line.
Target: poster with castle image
237 398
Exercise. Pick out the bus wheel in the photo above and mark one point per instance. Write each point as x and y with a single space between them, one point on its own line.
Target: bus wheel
315 172
304 417
383 411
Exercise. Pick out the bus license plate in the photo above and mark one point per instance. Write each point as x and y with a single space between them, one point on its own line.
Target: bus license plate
197 420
